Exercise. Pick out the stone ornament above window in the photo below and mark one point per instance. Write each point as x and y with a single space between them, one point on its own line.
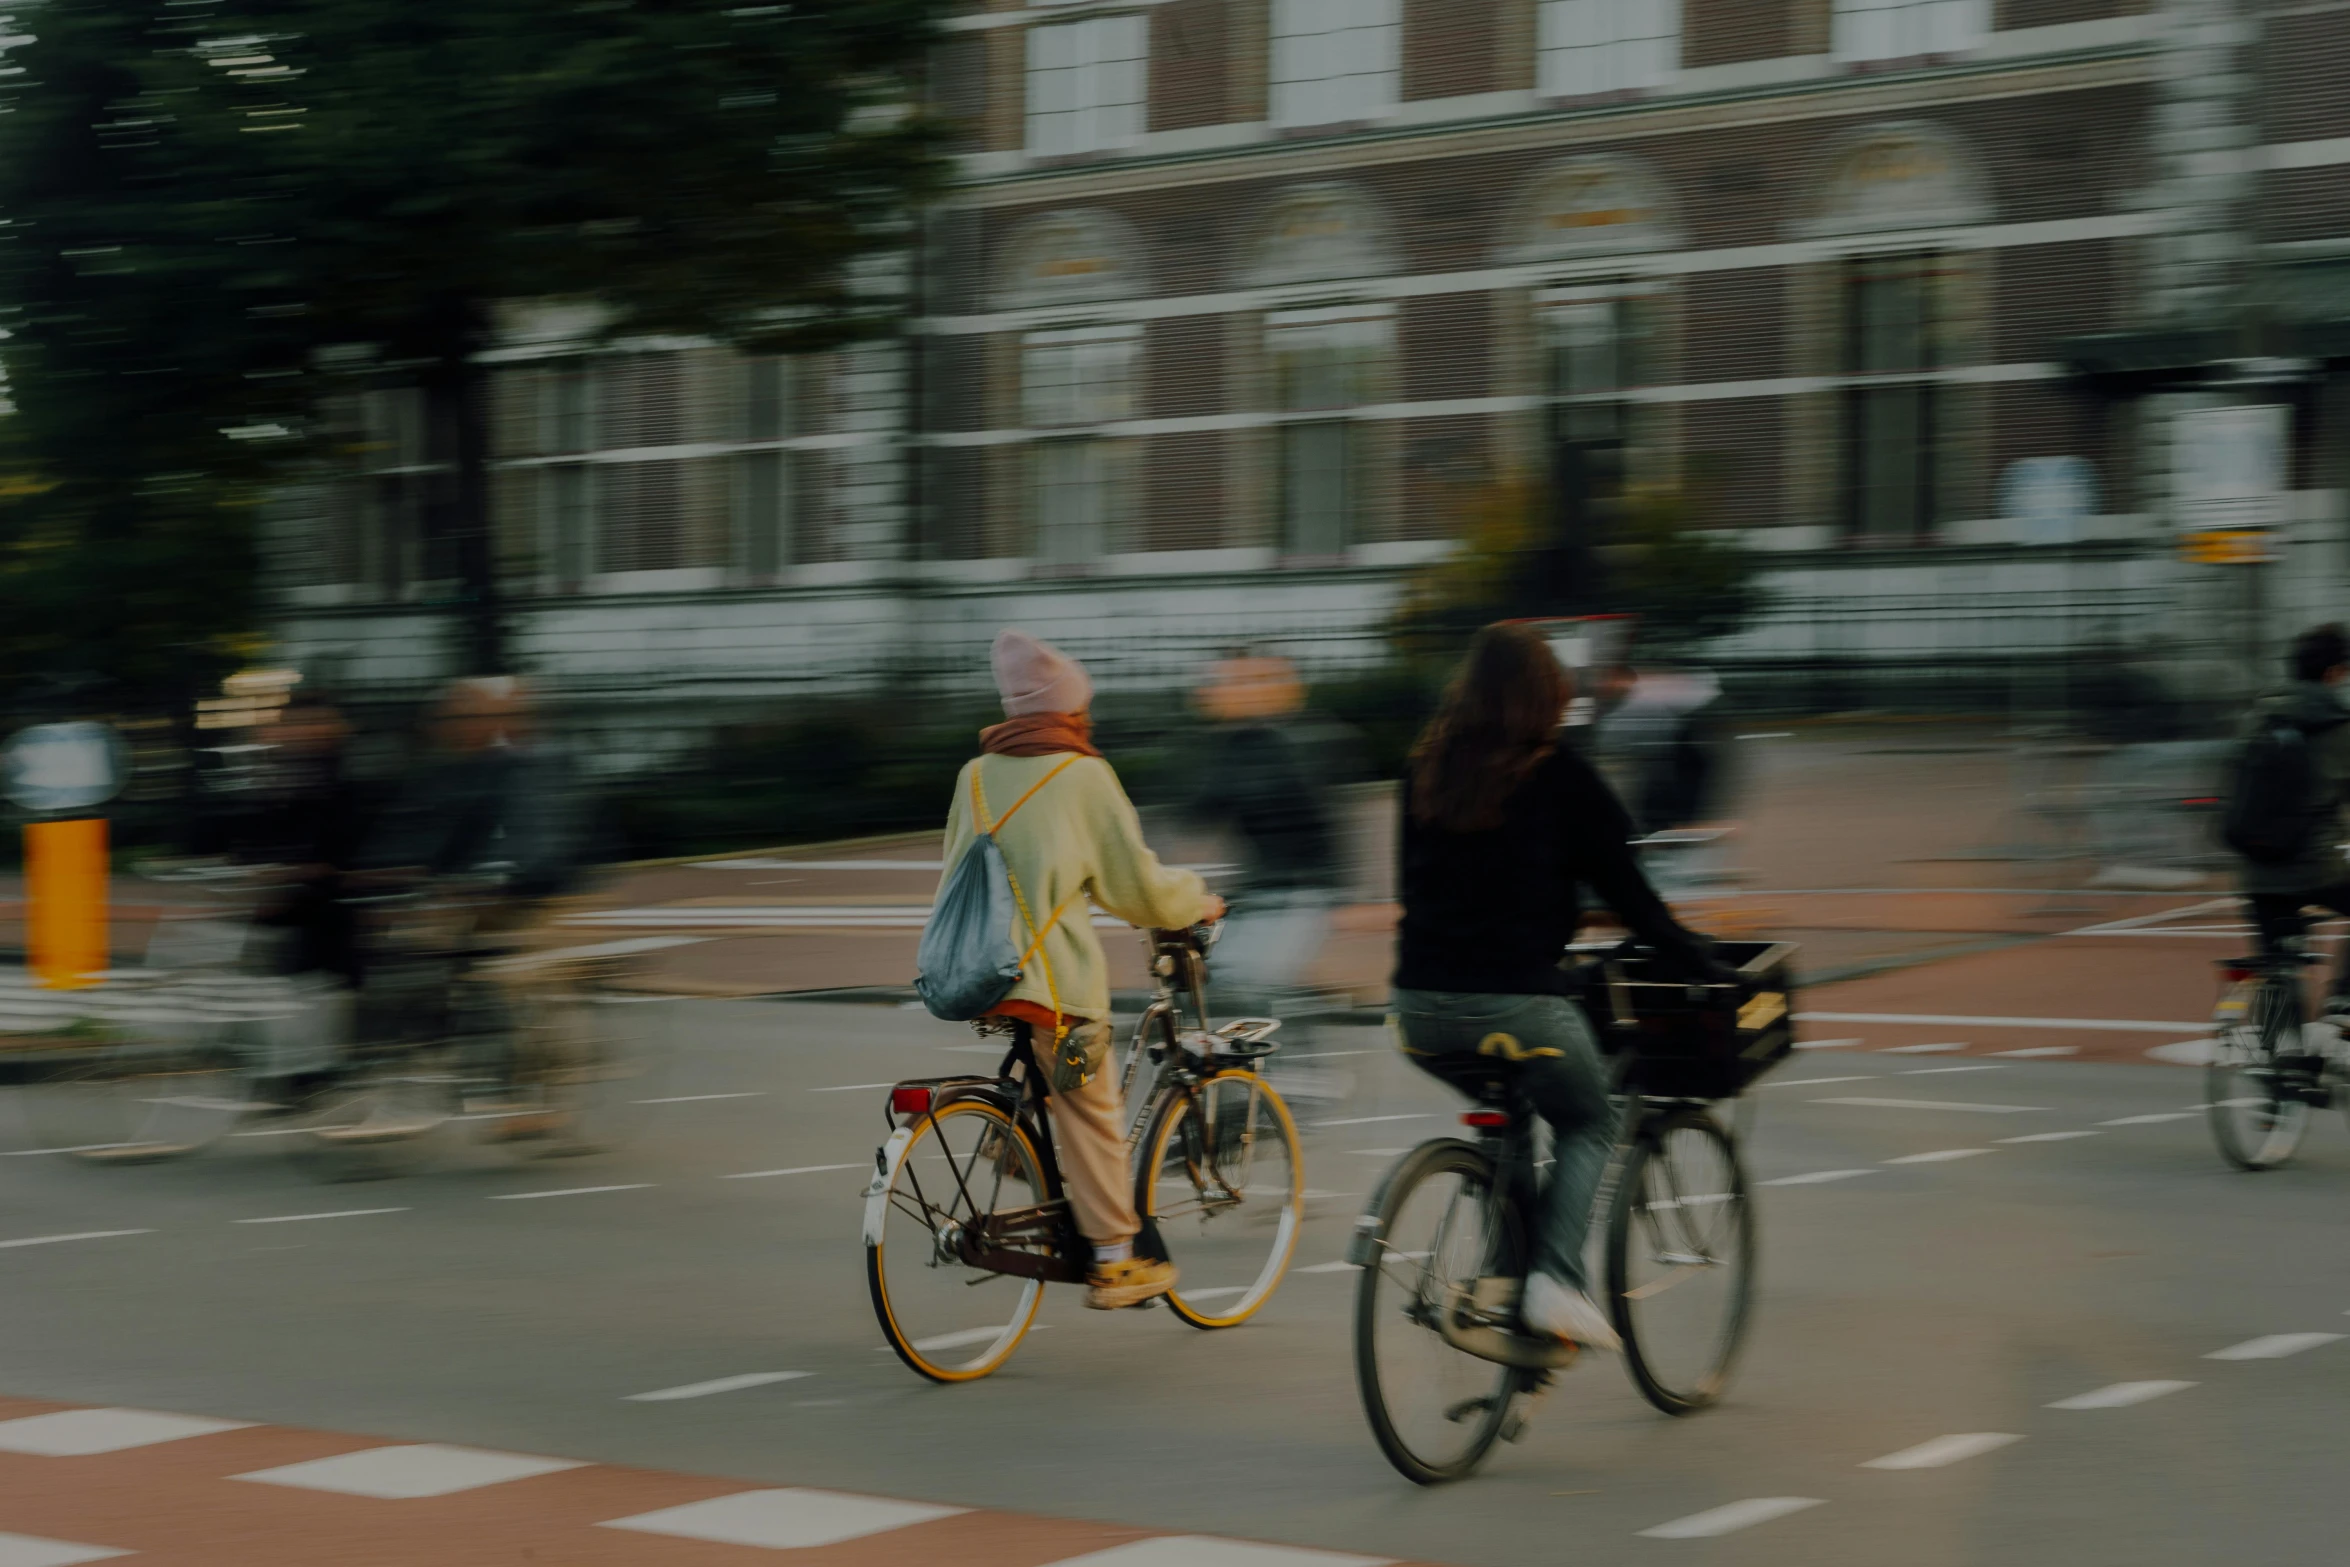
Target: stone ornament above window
1891 177
1078 256
1316 232
1592 206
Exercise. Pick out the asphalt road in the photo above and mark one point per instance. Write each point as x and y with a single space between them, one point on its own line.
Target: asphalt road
1958 1296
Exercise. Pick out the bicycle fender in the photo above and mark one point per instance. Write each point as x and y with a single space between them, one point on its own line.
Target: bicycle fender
885 1165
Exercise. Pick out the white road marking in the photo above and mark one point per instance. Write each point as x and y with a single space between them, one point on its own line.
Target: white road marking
1333 1267
784 1519
571 1191
1816 1177
2273 1346
408 1471
695 1099
31 1550
80 1433
1944 1450
2042 1050
850 1088
1724 1520
2139 921
1374 1120
797 1169
1825 1044
1937 1071
27 1153
78 1235
1200 1550
2049 1137
2121 1395
1924 1050
2149 1120
340 1213
959 1339
1218 1293
1933 1104
601 949
717 1385
1814 1082
2104 1025
2184 1052
1938 1156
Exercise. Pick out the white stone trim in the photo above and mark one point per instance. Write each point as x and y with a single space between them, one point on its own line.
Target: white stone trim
1678 263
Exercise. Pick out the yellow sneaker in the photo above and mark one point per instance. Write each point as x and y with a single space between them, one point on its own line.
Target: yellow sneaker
1128 1282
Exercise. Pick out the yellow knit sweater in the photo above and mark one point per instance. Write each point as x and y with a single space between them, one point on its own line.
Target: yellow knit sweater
1078 838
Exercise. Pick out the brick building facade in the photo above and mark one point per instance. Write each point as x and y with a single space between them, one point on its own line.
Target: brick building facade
1238 304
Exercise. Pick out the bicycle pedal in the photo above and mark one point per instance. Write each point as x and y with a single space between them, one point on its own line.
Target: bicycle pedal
1513 1427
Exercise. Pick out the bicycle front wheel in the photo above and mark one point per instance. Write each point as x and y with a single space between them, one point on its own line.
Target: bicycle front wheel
131 1101
944 1177
1434 1410
1680 1260
2256 1119
1224 1183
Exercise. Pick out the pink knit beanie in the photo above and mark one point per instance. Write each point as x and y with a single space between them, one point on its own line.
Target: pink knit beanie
1036 677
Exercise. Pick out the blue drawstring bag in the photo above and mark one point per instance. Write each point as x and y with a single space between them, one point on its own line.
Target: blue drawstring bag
969 958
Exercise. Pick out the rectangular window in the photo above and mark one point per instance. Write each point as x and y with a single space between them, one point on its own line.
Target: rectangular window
1589 47
764 520
1335 62
1080 375
766 399
1073 499
1086 85
1908 29
1324 362
567 508
567 420
1889 404
1596 348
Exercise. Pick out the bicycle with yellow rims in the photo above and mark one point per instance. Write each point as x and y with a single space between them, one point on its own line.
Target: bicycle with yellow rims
966 1217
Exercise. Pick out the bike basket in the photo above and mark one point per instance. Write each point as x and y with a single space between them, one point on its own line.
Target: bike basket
1703 1041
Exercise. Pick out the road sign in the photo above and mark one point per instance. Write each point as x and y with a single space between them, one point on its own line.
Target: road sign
54 768
2048 498
2228 467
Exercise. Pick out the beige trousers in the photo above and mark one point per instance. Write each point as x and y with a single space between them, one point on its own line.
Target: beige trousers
1089 1135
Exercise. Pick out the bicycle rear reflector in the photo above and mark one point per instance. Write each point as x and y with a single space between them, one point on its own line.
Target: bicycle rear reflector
1486 1120
909 1101
2235 971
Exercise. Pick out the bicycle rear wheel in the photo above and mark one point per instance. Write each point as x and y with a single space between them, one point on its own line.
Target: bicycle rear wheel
581 1075
967 1163
1224 1182
2257 1122
1680 1260
135 1101
1434 1410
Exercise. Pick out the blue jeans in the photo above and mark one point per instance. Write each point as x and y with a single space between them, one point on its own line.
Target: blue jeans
1545 1046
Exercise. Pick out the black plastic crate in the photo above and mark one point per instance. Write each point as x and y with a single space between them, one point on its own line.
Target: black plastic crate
1700 1041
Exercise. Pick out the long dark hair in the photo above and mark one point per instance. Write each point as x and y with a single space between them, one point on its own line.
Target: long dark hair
1499 719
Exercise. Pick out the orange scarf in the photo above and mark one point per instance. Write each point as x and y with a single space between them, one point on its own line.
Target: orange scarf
1040 734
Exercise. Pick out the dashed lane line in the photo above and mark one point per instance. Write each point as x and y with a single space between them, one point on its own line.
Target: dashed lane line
78 1235
1942 1450
1942 1071
2049 1137
1731 1518
797 1169
2042 1050
1333 1267
695 1099
2100 1025
1939 1156
2120 1395
733 1384
339 1213
1934 1104
1923 1050
1825 1044
2149 1120
1817 1177
1820 1082
572 1191
2273 1346
850 1088
1374 1120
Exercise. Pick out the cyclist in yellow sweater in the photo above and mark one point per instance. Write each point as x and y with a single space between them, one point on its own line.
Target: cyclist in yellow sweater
1076 839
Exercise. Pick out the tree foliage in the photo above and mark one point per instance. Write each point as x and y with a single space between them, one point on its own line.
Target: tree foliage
218 213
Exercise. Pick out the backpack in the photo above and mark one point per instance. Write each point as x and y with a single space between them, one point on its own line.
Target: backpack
969 960
2276 798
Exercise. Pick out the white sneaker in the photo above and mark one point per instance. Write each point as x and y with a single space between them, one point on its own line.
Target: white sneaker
1560 1311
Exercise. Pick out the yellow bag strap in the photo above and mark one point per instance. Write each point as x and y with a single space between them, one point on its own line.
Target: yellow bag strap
1036 941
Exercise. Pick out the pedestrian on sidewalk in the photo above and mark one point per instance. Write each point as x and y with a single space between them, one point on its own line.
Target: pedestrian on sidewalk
1069 835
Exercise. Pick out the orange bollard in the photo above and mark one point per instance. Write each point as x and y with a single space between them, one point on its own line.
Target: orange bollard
65 901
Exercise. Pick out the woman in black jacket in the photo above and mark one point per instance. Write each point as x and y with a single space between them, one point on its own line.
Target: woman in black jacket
1501 823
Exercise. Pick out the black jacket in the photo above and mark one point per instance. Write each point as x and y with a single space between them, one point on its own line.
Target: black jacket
1494 911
